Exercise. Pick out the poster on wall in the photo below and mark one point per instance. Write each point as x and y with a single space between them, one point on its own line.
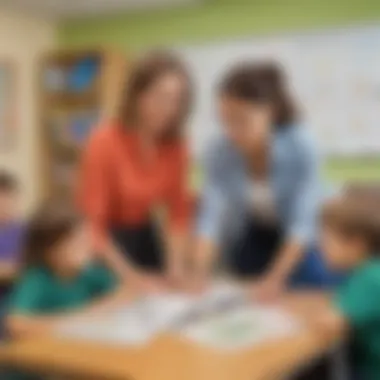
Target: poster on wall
334 75
7 105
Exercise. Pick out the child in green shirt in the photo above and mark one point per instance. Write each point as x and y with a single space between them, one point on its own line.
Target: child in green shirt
59 277
350 240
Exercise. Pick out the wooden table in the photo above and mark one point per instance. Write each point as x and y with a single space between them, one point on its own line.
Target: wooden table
167 358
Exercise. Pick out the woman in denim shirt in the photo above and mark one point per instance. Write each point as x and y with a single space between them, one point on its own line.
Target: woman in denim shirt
263 185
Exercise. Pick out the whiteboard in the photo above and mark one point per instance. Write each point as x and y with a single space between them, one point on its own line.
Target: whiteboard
335 76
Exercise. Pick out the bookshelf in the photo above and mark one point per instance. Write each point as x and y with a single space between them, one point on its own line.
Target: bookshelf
78 90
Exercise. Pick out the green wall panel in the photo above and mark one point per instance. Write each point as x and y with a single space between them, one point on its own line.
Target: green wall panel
218 20
215 20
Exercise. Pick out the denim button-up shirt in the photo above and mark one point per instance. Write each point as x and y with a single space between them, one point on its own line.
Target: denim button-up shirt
295 178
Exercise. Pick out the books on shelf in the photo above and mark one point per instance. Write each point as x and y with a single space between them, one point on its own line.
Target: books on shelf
72 129
76 78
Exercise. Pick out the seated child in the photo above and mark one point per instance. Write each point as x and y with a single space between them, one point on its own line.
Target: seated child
11 228
58 277
350 240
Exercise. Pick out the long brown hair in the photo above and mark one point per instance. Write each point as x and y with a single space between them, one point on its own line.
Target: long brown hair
50 225
144 74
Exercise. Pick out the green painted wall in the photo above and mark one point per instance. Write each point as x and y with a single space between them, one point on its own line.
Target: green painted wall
215 20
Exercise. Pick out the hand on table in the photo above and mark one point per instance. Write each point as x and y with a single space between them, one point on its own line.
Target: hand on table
175 279
267 289
152 283
196 285
143 282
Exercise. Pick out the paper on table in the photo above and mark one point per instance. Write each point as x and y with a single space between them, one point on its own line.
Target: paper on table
242 327
162 310
124 326
131 324
174 311
140 321
223 296
168 310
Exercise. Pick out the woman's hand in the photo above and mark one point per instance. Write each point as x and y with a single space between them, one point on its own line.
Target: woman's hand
196 284
175 279
268 289
148 283
271 286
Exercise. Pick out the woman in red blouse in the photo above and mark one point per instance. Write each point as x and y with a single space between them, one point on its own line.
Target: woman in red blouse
132 166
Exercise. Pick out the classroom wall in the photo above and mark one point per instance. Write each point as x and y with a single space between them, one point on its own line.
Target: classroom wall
215 20
22 41
218 20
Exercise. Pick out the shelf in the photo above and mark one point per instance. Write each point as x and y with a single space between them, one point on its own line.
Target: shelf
69 58
71 100
65 109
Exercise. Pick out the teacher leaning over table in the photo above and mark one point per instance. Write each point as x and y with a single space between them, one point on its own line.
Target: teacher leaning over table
262 185
136 164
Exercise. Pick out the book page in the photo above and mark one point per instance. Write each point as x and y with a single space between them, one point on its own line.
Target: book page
242 327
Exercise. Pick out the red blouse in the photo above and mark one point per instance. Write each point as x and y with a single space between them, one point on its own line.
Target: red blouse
118 186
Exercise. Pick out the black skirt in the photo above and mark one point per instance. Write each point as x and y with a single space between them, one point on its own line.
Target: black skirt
255 251
252 256
142 245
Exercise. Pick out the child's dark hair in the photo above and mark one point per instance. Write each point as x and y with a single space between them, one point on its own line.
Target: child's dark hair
262 82
356 213
8 182
49 226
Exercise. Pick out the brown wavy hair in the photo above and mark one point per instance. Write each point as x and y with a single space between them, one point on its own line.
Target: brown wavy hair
261 82
50 225
356 213
144 74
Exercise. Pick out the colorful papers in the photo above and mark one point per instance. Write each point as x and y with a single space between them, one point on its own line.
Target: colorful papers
224 317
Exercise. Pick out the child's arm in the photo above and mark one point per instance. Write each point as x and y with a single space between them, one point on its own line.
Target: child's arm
29 316
307 303
23 326
354 306
20 325
330 324
121 296
317 311
107 292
